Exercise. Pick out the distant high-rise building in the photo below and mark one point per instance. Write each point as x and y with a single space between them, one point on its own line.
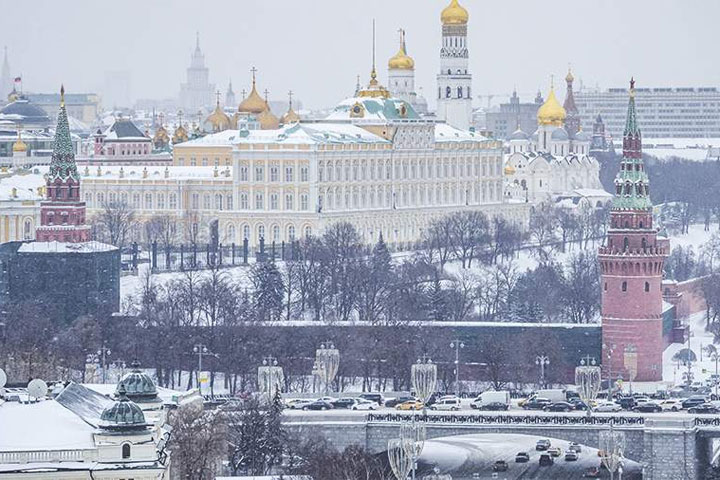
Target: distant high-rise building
663 112
6 80
454 98
116 89
197 93
230 97
506 118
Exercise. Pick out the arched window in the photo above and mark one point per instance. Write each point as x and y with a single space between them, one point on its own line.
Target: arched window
246 232
624 286
605 287
626 243
647 286
291 233
126 450
448 92
459 92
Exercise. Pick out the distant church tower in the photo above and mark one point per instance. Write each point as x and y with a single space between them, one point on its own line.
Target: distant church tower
631 265
230 97
62 214
454 99
572 119
197 93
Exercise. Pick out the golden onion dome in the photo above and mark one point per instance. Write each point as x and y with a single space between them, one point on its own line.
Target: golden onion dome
19 146
454 14
551 112
509 170
268 121
180 134
161 135
290 116
253 103
569 77
401 60
218 119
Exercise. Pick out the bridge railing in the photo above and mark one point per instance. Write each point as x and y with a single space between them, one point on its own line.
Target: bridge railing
707 422
510 419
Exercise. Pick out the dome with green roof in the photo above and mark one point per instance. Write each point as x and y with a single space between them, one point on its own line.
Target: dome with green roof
122 414
137 385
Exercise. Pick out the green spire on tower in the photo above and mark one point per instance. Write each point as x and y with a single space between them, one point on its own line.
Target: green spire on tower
63 164
631 127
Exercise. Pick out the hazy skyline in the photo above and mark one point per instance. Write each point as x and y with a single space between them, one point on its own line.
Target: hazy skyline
316 48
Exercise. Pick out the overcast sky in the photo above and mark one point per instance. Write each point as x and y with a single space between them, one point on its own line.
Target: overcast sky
317 47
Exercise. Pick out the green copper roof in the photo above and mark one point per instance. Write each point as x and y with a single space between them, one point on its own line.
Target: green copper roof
631 126
63 164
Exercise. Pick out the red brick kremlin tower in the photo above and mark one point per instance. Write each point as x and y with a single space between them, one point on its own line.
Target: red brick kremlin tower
62 215
631 264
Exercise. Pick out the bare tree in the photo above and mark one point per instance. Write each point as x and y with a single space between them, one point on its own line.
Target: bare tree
115 223
197 444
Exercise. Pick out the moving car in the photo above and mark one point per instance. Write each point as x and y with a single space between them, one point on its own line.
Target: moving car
300 403
491 396
365 405
704 408
575 447
694 401
571 456
394 402
558 407
345 402
411 405
647 407
492 406
522 457
555 451
542 444
500 466
319 405
546 460
608 407
536 403
373 397
592 472
446 404
671 405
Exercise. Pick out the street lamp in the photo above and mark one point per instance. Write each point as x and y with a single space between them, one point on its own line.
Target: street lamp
609 350
457 345
542 361
270 377
588 378
103 353
200 350
327 362
423 375
612 447
630 361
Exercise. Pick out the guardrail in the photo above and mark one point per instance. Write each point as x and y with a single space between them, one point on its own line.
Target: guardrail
510 419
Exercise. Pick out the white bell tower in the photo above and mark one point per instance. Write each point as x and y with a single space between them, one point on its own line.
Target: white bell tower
454 95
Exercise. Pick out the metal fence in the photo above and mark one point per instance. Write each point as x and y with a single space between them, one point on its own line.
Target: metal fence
511 419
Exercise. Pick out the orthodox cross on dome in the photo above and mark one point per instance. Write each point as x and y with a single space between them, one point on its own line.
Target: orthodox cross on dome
179 115
290 95
253 70
162 118
266 92
243 92
217 97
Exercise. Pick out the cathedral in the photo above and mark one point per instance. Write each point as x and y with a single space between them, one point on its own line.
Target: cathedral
554 161
197 93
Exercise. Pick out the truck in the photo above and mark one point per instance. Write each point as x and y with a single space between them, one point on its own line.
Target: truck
491 396
554 395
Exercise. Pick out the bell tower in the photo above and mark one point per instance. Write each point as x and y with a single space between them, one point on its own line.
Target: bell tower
454 98
631 265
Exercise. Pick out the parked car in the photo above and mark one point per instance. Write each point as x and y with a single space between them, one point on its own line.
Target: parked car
542 444
319 405
704 408
608 407
546 460
592 472
671 405
558 407
647 407
300 403
571 456
394 402
365 405
522 457
411 405
492 406
537 403
694 401
500 466
373 397
578 404
345 402
627 403
446 404
555 451
575 447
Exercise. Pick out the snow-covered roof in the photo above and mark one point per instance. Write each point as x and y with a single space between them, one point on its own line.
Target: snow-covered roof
25 186
224 138
310 134
45 425
592 192
448 133
374 108
63 247
124 130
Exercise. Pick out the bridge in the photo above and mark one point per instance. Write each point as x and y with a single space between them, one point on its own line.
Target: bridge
670 446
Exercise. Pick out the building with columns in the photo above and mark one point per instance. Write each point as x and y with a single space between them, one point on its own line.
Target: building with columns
454 82
197 93
631 264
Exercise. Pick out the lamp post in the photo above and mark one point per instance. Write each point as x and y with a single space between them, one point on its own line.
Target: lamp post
200 350
542 361
609 350
588 378
423 375
327 361
270 377
630 361
457 345
103 353
612 447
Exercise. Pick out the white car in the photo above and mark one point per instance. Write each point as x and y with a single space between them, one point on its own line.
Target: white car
446 404
608 407
301 403
640 400
671 405
363 404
